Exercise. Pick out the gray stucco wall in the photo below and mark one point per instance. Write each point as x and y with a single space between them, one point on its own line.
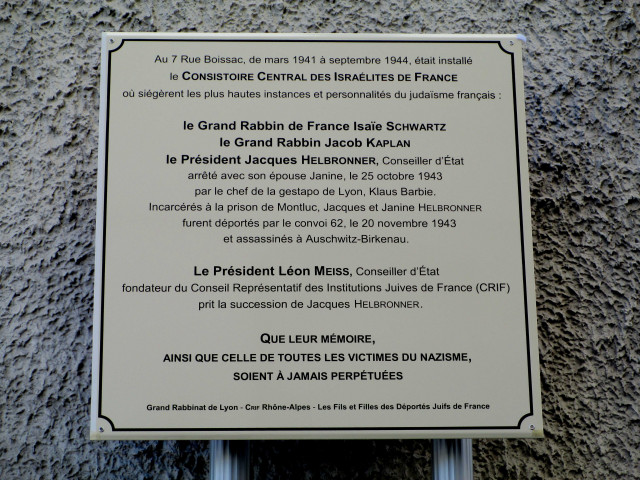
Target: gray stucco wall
582 84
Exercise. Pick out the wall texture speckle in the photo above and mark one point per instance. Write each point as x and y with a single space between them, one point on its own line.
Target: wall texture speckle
582 83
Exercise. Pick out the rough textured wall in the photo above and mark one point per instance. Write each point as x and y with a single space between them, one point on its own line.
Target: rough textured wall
582 84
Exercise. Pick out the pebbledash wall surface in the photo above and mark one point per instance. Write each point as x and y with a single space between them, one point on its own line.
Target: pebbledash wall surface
582 86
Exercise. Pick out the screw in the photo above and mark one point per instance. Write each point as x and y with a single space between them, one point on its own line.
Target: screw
532 427
101 430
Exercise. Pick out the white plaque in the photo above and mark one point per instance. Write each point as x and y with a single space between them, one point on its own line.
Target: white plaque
313 236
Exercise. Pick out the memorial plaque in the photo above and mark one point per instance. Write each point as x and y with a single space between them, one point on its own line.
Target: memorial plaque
313 236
